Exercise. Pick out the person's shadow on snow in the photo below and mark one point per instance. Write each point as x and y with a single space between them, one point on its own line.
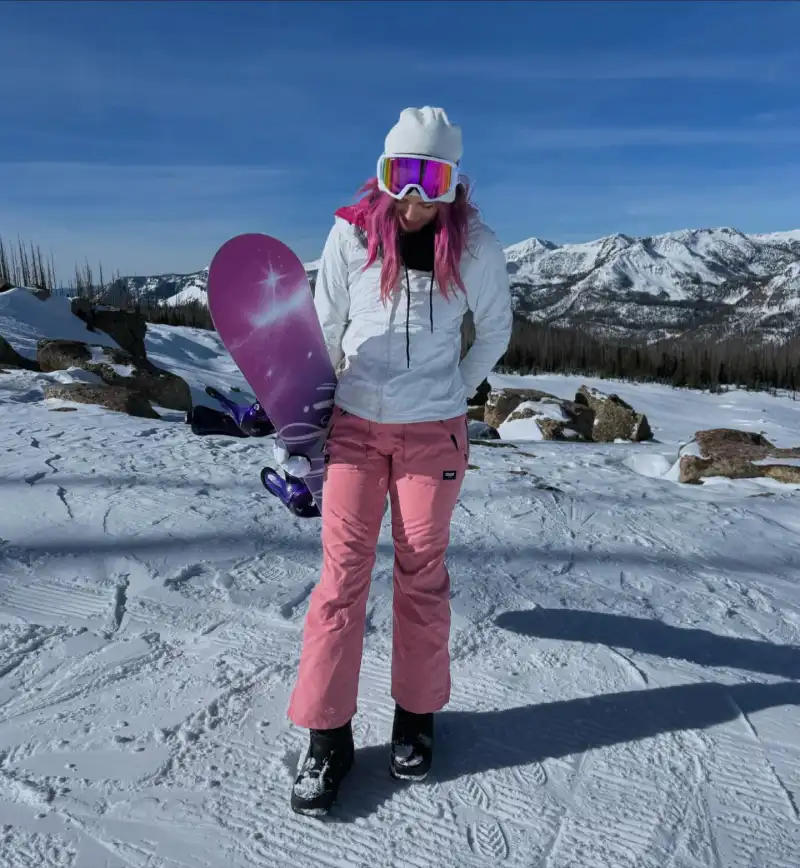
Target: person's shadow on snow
647 636
469 743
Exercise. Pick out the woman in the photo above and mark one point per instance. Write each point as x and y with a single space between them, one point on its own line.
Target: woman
398 272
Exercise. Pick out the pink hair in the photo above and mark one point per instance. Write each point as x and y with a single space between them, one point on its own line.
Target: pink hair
375 214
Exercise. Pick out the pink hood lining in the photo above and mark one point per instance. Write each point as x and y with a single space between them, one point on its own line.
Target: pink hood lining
353 214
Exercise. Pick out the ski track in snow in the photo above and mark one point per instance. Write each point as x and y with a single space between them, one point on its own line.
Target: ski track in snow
626 653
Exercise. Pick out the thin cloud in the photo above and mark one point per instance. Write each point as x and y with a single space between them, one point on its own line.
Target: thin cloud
587 138
49 72
539 68
42 180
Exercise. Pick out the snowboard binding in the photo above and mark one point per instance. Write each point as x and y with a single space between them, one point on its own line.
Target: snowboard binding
251 420
292 492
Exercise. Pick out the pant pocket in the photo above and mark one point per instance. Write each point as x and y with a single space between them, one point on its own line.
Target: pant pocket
458 432
435 452
347 439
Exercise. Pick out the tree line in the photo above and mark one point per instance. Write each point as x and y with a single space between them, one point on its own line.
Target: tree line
537 348
23 265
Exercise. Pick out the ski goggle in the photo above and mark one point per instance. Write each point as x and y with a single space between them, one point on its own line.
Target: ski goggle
401 174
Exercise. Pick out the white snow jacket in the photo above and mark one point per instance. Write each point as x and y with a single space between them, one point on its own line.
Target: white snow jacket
399 361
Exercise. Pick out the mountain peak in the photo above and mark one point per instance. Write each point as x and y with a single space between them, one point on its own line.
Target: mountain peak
529 247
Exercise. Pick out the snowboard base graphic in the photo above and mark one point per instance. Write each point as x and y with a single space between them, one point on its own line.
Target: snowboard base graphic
263 310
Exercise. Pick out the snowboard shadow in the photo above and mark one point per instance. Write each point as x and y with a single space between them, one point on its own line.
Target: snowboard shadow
649 636
477 742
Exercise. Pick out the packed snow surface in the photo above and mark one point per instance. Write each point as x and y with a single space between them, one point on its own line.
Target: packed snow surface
625 650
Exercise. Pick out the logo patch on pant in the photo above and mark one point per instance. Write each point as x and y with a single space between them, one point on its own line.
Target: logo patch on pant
449 474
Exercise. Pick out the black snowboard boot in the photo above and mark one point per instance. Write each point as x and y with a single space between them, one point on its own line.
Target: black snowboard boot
412 745
329 758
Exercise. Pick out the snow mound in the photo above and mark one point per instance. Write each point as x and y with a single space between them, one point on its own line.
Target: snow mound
195 292
652 465
25 320
520 429
527 429
73 375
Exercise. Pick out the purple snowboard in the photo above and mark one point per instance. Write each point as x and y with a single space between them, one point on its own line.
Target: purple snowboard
263 310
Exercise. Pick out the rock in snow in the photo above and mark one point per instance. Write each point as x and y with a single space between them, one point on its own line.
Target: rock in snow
592 416
736 454
614 419
117 398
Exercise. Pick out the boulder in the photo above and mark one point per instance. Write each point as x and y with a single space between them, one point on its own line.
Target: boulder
117 398
12 359
593 416
782 472
731 443
162 388
500 403
733 454
614 419
128 328
117 367
480 396
481 431
59 355
581 420
557 419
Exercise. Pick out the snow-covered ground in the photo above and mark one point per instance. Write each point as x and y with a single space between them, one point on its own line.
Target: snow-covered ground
626 651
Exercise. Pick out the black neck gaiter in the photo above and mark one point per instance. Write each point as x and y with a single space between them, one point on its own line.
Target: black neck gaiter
417 248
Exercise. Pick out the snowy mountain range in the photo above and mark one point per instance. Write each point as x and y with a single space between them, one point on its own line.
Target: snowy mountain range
707 282
172 289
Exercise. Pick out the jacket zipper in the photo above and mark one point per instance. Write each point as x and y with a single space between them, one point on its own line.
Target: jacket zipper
389 313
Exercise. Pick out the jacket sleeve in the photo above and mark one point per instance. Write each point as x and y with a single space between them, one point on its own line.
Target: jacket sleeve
331 294
489 299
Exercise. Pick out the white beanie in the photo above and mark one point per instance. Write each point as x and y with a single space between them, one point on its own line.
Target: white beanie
426 132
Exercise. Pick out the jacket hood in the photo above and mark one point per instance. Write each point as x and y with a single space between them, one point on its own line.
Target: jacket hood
353 215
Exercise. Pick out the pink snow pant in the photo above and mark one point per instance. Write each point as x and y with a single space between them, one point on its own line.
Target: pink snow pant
421 465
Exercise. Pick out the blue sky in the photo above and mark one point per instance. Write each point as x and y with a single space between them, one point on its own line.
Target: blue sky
143 135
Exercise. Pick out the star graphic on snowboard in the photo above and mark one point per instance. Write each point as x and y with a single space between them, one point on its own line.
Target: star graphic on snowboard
272 309
271 281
